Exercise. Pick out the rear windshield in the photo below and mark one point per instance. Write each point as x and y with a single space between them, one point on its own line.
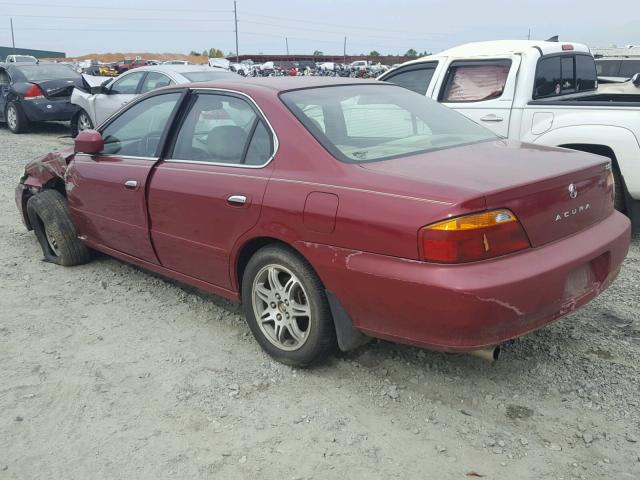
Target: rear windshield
38 73
363 123
207 76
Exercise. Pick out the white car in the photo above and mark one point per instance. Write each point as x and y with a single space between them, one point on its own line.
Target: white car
538 92
98 103
21 59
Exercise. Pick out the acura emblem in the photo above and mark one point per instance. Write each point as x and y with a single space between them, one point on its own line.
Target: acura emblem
573 191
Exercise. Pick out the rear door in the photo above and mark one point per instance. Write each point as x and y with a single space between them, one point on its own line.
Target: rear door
209 191
482 90
107 191
121 92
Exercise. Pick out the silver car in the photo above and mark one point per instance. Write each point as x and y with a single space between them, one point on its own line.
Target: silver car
97 104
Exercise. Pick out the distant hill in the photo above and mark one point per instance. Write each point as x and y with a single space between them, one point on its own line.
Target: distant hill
115 57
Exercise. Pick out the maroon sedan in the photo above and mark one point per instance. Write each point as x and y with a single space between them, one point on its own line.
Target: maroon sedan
336 210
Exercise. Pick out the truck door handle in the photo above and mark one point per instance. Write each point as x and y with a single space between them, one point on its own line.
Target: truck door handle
131 185
237 200
492 117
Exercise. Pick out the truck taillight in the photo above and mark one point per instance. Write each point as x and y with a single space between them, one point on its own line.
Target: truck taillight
33 92
472 237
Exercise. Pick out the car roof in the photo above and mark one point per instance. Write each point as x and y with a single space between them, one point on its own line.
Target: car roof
176 68
283 84
503 47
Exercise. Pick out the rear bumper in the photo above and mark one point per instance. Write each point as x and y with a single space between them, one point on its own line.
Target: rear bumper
466 307
45 110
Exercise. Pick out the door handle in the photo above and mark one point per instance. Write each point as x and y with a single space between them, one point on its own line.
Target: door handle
124 103
492 117
237 200
131 185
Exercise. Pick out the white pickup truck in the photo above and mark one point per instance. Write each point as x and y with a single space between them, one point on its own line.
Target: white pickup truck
539 92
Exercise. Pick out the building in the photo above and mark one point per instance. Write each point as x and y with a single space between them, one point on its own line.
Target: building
4 51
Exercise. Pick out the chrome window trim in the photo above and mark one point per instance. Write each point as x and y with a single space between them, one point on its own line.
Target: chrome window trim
275 141
115 155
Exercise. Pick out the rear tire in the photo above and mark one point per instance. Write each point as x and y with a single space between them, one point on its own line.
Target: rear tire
49 216
286 307
17 121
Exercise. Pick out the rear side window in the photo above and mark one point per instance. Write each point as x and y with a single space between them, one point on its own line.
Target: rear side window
562 74
475 81
155 80
223 129
416 79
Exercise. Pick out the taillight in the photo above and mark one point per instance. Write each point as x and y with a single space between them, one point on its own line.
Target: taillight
472 237
33 92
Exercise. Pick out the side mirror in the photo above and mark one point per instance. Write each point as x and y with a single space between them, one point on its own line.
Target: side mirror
636 79
88 141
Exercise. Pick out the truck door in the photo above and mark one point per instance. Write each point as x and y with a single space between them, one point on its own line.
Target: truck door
482 90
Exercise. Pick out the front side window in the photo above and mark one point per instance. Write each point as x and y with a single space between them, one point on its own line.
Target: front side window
608 68
223 129
414 79
127 85
155 80
475 81
378 122
137 131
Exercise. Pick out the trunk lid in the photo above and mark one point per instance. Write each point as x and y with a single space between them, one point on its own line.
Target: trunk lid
532 181
58 88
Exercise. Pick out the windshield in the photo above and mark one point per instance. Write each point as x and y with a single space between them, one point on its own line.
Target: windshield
363 123
38 73
207 76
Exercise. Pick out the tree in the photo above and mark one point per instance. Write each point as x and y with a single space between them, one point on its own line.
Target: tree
374 53
205 53
317 53
192 52
411 53
215 53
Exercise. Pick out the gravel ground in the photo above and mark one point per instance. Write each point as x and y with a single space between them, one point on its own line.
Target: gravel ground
111 372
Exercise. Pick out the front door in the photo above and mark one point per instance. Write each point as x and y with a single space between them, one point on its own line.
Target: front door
107 191
209 191
121 92
4 91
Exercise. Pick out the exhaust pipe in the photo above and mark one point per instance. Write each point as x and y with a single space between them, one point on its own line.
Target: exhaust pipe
491 354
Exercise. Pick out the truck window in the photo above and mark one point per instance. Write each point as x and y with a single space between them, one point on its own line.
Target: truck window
562 74
586 76
629 68
475 81
414 78
608 68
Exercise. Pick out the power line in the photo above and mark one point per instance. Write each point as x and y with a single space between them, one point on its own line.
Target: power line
121 19
92 7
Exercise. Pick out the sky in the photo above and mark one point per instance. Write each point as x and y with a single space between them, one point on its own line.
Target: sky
389 26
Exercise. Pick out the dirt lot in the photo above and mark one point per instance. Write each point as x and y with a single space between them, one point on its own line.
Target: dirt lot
110 372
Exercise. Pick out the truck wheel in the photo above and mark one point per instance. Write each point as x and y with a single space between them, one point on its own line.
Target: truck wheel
49 216
80 122
620 191
16 119
286 307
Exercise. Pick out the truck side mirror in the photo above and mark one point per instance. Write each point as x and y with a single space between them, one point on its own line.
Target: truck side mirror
636 79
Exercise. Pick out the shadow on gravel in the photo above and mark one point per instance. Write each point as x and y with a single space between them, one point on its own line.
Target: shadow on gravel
60 128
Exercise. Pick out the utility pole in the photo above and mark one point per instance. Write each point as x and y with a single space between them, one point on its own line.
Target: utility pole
13 42
235 17
344 50
529 35
286 41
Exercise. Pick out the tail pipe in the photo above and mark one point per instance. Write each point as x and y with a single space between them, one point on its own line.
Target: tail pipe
491 354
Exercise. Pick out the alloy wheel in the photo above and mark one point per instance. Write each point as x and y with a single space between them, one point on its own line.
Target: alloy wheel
84 122
12 117
281 307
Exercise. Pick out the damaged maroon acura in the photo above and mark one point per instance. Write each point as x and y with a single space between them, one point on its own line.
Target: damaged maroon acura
336 211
